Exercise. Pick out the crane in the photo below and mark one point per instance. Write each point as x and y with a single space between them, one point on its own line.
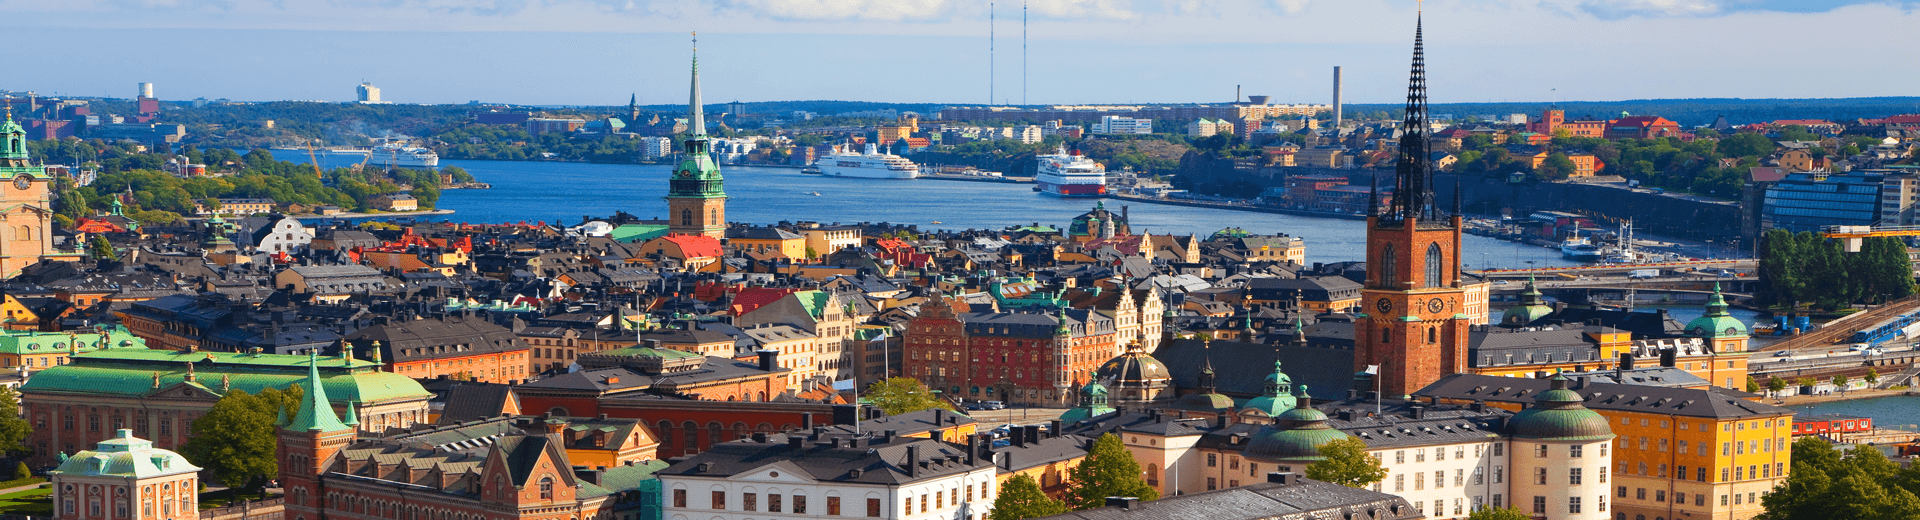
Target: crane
315 160
1850 236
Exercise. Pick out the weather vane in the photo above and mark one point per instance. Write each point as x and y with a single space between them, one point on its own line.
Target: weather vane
696 40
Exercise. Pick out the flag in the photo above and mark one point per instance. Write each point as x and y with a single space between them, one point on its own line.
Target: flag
1373 369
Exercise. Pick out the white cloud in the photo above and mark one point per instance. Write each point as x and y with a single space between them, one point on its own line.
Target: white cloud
895 10
1617 9
1290 6
1108 9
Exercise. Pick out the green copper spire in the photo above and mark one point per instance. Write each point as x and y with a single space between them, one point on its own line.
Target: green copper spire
1716 323
350 418
13 152
315 413
697 177
695 118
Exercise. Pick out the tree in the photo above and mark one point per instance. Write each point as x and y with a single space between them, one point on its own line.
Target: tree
99 248
1872 377
1108 471
900 395
1826 483
1775 385
1806 381
1502 513
21 471
14 429
1753 387
235 440
1840 382
1347 463
1022 498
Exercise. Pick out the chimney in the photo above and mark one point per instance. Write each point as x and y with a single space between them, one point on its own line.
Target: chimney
806 420
796 441
939 418
1282 478
589 475
1018 437
1626 361
1032 432
1667 357
1336 97
769 360
1124 503
1053 428
1418 412
973 448
913 461
760 437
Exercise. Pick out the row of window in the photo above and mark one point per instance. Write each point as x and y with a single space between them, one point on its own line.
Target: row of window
797 504
1680 497
1460 452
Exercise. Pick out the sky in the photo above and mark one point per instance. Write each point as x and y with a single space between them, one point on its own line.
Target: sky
597 52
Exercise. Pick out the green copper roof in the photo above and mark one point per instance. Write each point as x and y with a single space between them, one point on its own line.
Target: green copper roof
1557 414
125 456
14 147
640 352
135 372
1296 435
1532 307
35 342
1278 397
1093 403
1716 323
316 411
1205 403
629 233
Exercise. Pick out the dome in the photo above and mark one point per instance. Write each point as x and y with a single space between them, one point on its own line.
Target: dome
1205 403
1296 435
125 456
1278 397
1093 403
1135 366
1716 323
1532 307
1558 415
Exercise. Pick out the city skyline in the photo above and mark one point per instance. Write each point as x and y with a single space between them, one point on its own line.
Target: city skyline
935 51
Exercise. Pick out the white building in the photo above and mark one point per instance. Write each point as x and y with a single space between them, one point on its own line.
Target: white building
368 93
1123 125
1205 127
655 147
1030 134
870 475
122 477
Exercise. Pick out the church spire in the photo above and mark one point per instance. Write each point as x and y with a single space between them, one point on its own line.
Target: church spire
316 412
1413 175
695 119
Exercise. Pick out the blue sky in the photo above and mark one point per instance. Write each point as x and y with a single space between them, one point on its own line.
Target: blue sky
935 51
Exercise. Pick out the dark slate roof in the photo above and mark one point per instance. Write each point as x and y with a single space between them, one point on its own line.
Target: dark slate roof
1242 368
1046 450
467 400
870 459
1136 422
1395 424
1300 498
911 423
1714 402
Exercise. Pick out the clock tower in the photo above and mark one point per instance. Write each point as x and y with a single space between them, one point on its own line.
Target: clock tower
1414 325
26 212
696 200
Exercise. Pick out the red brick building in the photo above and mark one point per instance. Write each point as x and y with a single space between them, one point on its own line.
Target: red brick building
1642 127
1017 357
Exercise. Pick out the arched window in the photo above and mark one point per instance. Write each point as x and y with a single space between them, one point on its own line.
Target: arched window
1389 263
1434 276
713 216
546 488
1153 474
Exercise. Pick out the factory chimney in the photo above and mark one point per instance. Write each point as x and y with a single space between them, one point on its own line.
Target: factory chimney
1336 97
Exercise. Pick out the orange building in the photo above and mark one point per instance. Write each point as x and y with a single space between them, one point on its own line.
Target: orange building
1553 120
1584 164
1642 127
454 346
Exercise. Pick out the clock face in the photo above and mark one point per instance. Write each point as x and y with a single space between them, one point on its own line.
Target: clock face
1435 305
1385 305
23 182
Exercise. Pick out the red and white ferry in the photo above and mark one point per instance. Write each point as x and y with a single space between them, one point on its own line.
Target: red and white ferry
1069 174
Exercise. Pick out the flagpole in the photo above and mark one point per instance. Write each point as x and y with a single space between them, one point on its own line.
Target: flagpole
1377 374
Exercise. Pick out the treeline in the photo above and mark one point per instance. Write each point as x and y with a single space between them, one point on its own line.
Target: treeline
1807 268
1696 166
1688 112
1859 483
156 197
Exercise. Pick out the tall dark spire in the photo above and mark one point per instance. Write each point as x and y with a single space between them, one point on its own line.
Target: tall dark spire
1413 177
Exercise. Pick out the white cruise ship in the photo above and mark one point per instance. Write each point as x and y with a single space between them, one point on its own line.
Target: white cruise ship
869 165
396 156
1069 174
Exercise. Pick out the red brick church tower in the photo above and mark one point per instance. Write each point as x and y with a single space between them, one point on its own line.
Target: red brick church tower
308 443
1414 326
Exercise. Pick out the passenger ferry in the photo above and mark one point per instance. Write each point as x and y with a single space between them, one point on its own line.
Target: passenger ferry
869 165
1069 174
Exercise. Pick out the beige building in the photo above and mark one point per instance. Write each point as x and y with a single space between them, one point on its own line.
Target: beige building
26 212
123 477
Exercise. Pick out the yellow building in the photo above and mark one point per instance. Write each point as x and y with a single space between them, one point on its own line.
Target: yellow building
1681 453
38 350
1531 340
768 242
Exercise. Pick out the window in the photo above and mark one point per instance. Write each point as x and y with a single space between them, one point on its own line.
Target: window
833 506
1540 476
1434 268
1640 493
1498 473
1701 474
1659 495
873 508
1723 474
1573 505
1602 472
546 488
1499 448
1496 501
1400 457
749 502
1389 262
1574 451
1603 449
773 502
1600 503
1573 476
1439 454
1212 484
923 502
680 498
1419 481
1540 452
1212 460
1440 479
719 500
1623 492
1459 477
1400 482
1539 505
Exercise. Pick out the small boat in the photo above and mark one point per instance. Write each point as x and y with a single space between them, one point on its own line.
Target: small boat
816 194
938 222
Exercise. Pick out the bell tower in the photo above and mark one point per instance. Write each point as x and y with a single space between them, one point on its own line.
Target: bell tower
26 210
696 200
308 443
1414 325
